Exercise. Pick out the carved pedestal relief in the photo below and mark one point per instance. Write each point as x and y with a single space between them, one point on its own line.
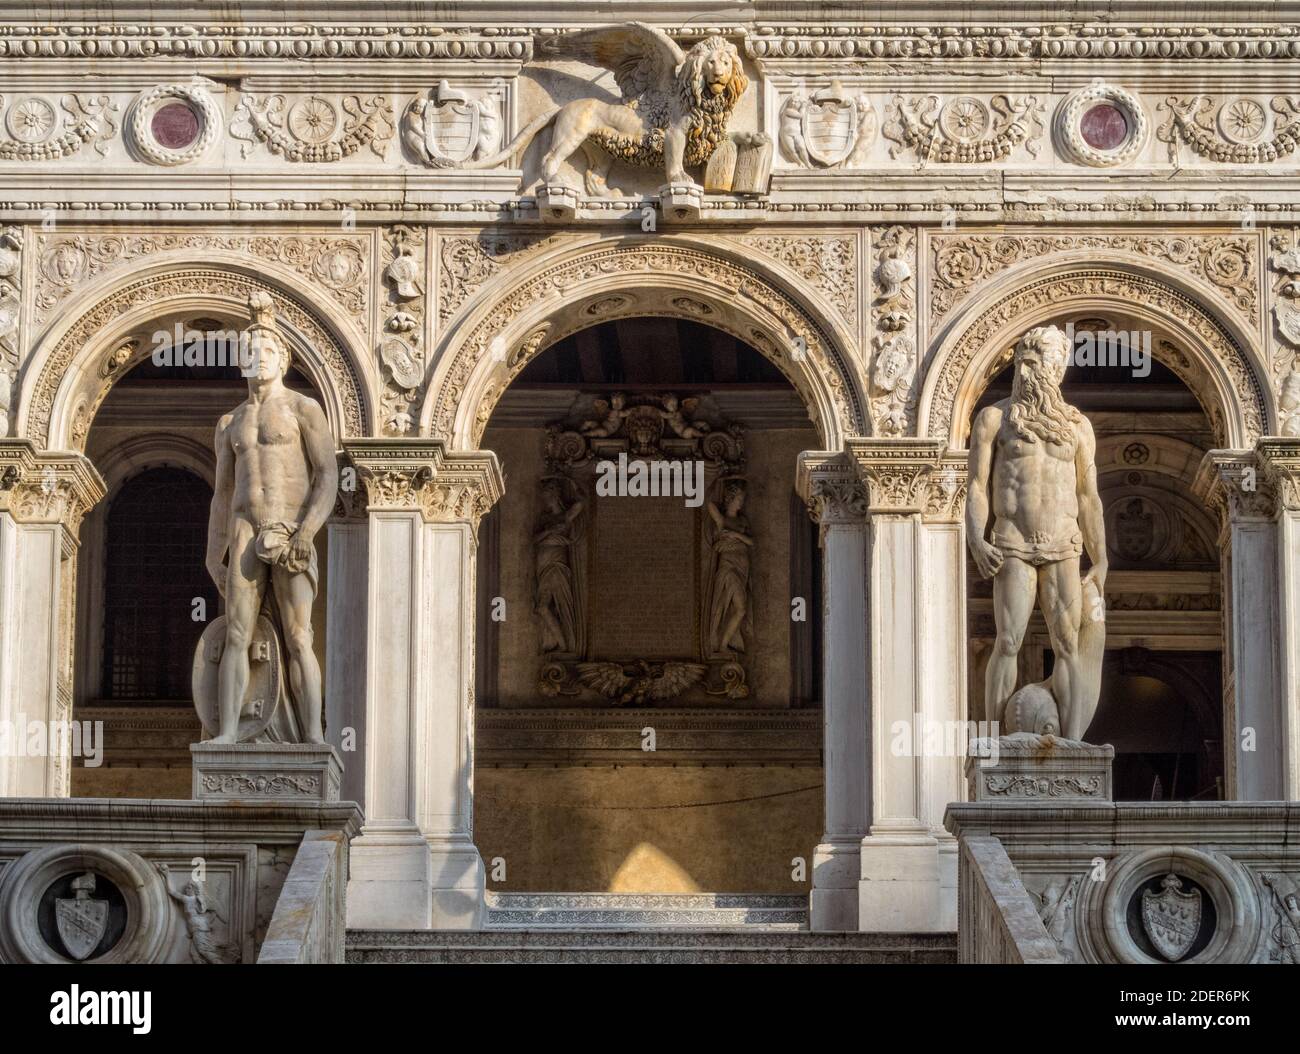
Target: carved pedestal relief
642 553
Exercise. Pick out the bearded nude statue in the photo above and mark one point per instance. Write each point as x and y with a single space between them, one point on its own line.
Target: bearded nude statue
1032 464
276 482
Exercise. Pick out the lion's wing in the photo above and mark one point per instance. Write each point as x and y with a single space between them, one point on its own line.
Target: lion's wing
644 59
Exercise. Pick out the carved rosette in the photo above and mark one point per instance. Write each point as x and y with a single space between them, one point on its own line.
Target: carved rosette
964 129
1235 130
899 473
314 128
422 476
894 342
47 488
37 131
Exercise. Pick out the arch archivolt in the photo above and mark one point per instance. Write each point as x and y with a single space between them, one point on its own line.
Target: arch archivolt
1214 357
520 314
76 362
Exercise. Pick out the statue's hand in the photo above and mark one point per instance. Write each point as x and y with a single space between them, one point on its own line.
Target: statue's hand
300 547
987 556
1097 576
218 572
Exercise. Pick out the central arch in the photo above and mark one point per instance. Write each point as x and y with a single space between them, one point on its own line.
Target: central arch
578 287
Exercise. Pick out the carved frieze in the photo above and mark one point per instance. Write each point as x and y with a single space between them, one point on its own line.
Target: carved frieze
961 263
40 129
1232 130
314 128
963 129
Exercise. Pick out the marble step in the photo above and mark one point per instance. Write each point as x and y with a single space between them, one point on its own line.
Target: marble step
656 911
614 947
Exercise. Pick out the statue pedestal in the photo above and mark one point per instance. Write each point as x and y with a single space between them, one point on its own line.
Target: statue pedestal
1024 766
682 202
557 202
299 772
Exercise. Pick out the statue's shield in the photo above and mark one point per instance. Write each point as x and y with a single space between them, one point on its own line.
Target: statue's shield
81 924
1172 918
830 128
265 681
451 130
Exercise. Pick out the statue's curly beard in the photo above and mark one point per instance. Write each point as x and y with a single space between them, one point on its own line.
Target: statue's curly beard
1038 410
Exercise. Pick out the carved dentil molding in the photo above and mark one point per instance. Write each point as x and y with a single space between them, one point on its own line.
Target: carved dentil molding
421 476
37 487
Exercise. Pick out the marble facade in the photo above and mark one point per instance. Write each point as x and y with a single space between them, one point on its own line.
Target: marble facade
937 187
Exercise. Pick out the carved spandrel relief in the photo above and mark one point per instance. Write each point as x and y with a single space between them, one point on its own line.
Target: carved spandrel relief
702 632
1285 360
11 305
466 263
829 263
962 263
963 129
337 264
314 128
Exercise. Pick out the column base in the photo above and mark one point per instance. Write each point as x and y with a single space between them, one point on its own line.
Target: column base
833 902
402 880
899 889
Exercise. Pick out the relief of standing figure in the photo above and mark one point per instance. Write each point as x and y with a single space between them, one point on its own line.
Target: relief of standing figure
558 531
728 624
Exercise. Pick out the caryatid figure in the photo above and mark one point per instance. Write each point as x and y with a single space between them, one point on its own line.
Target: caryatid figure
276 482
1032 462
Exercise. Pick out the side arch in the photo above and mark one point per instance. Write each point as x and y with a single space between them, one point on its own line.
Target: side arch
76 362
521 313
1215 358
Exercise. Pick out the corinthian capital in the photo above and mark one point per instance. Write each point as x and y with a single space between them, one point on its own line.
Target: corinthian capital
829 485
1237 484
899 473
420 475
1280 459
37 487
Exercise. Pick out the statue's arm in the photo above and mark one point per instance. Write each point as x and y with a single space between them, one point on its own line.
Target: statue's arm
219 512
979 468
1091 523
319 444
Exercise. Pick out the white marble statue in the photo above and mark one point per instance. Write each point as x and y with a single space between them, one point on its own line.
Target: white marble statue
1032 464
730 541
276 483
558 600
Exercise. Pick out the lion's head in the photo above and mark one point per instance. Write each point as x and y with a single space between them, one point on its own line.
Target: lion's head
712 71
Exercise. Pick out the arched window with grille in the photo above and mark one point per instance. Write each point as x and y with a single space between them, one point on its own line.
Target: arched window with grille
155 541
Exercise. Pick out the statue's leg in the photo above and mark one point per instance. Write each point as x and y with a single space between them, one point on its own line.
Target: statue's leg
675 154
598 165
294 595
567 135
245 581
1061 595
1013 602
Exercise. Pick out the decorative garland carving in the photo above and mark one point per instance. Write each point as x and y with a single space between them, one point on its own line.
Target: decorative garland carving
1285 363
159 289
140 135
960 263
1241 122
558 285
1121 287
32 121
956 134
307 130
339 263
